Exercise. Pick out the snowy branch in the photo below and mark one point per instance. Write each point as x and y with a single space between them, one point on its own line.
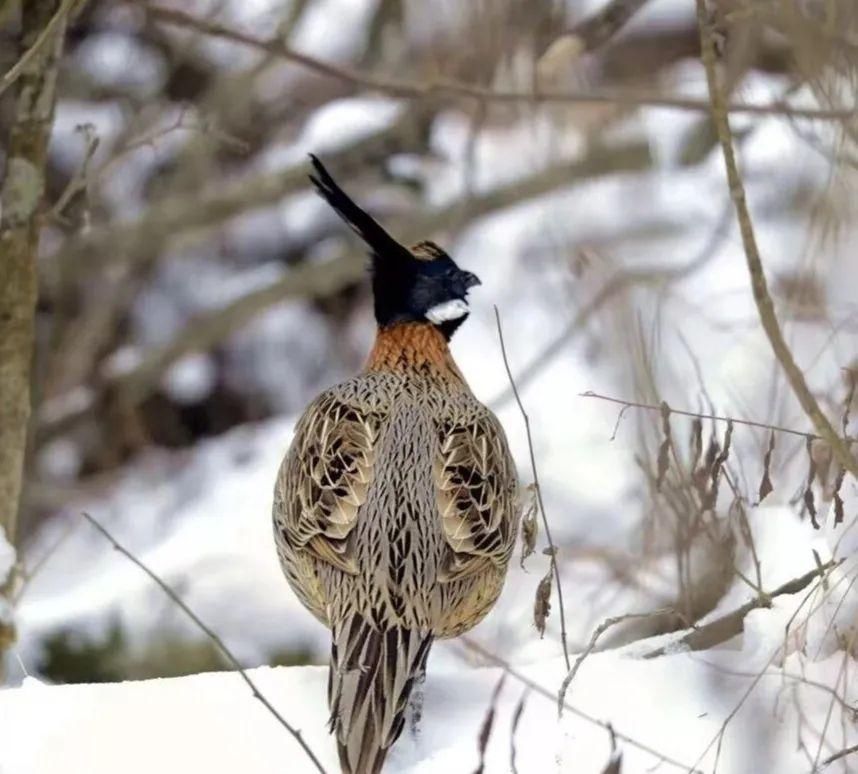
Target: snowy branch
728 626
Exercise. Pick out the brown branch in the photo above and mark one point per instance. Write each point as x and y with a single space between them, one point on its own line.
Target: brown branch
225 652
762 299
22 194
405 89
537 688
837 756
56 24
551 546
713 417
180 214
729 625
617 283
322 280
599 631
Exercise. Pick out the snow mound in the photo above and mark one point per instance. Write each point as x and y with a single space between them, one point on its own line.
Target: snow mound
666 713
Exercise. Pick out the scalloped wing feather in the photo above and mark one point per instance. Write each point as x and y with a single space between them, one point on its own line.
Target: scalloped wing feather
476 485
329 471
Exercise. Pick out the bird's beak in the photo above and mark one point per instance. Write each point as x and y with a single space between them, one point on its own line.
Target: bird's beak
470 280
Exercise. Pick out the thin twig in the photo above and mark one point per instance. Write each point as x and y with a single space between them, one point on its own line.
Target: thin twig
620 281
552 547
599 631
537 688
713 417
212 636
14 72
837 756
762 299
405 89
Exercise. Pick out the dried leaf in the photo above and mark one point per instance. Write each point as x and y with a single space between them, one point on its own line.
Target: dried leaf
696 442
664 449
718 462
809 500
542 603
615 762
766 481
849 398
838 499
529 526
822 455
516 718
488 723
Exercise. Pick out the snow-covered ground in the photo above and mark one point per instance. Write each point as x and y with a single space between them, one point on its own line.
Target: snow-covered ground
668 714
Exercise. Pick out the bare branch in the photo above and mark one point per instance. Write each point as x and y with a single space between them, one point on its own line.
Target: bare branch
713 417
763 300
56 25
455 89
837 756
537 688
729 625
551 546
318 280
180 214
599 631
226 652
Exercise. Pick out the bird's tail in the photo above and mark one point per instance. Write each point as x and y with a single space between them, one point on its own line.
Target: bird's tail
372 673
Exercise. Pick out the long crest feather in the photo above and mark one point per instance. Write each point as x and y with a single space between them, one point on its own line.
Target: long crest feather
362 223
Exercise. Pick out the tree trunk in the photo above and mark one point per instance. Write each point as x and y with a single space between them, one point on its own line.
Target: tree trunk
20 204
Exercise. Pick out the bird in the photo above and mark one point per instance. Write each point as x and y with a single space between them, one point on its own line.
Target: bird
396 505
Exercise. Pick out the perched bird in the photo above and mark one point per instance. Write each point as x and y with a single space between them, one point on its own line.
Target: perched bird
395 507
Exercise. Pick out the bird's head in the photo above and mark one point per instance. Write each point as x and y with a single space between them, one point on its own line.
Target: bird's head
420 284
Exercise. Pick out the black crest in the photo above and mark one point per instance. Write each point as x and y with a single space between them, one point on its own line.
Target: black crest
406 284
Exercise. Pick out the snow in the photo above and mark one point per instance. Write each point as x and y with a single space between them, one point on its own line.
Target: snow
674 705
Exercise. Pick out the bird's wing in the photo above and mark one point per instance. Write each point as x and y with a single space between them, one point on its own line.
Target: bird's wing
325 478
476 489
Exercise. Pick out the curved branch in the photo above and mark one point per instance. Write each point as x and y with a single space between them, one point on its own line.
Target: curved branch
762 299
406 89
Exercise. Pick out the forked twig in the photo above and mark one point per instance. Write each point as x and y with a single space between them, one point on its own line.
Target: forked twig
542 691
551 546
227 654
598 632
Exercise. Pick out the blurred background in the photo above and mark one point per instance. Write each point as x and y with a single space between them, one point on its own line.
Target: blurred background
195 295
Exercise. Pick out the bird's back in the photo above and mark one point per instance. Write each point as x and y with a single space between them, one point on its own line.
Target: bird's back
394 518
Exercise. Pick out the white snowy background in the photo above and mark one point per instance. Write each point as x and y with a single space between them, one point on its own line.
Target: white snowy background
779 697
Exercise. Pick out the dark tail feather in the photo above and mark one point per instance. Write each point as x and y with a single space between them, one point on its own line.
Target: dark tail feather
372 674
363 224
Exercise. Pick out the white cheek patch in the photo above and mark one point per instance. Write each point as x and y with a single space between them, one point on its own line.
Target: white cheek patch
449 310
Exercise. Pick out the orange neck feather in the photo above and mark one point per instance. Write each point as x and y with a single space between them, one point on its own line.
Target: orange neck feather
405 346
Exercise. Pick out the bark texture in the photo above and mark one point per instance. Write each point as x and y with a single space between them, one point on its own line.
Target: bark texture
20 199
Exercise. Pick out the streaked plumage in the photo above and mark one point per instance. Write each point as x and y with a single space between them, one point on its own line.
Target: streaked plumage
395 507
